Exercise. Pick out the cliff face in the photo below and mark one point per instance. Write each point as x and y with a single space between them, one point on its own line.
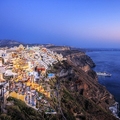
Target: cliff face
78 59
81 96
58 48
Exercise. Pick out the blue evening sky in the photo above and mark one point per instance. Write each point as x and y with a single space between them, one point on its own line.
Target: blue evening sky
79 23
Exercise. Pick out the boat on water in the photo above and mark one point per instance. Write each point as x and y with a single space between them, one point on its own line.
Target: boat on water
103 74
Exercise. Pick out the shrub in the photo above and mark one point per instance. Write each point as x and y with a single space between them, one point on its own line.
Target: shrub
5 117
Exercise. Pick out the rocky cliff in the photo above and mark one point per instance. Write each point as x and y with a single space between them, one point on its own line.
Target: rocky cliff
84 93
80 97
77 58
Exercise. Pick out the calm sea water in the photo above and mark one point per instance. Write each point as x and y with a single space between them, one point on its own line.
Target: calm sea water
108 61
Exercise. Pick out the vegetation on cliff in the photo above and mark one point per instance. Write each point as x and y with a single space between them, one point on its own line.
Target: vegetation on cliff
79 96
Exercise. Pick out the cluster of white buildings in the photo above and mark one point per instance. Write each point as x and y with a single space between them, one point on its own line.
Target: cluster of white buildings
25 64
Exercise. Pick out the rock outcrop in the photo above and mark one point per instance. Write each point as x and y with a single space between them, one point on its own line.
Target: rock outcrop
77 58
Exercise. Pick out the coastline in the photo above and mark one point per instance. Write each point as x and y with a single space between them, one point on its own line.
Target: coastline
86 67
75 89
107 67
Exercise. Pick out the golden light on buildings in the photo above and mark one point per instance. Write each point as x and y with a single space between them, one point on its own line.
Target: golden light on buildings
13 94
17 95
22 67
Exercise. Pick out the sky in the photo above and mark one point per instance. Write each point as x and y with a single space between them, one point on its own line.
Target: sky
77 23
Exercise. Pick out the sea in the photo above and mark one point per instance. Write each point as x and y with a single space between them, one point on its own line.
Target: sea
108 61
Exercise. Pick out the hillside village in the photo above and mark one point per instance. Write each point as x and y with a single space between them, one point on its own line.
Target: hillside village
24 73
37 83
